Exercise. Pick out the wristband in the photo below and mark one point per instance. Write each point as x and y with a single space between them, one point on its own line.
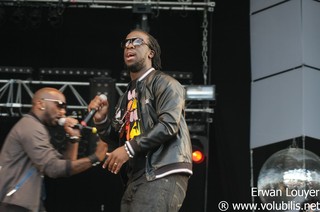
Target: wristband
94 159
74 139
129 147
101 122
127 150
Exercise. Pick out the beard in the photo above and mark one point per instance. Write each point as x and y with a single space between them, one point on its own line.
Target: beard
136 67
49 120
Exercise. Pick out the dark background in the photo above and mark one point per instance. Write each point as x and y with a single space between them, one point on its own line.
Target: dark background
89 38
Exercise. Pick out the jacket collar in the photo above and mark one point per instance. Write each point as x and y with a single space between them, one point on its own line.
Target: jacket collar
146 74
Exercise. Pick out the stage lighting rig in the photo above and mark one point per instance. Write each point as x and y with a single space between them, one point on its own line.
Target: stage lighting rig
200 5
75 71
80 74
200 100
200 92
16 72
15 69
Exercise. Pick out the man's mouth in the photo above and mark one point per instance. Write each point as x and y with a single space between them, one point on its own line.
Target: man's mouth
130 55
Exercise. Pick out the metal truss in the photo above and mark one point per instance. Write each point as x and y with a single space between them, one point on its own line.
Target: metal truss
16 96
110 4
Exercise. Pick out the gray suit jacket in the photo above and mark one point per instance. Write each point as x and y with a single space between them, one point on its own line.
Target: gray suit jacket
28 145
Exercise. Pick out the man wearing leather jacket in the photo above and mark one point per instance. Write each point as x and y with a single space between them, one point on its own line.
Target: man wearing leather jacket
147 137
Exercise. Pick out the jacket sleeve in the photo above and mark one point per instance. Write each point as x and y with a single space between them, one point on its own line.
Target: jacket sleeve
36 143
108 134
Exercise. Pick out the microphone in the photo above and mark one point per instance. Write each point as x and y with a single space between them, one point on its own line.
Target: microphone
93 130
92 112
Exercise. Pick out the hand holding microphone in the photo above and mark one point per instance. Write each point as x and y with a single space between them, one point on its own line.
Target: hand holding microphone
99 108
78 126
97 103
68 124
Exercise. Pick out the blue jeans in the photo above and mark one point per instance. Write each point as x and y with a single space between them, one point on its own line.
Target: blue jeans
162 195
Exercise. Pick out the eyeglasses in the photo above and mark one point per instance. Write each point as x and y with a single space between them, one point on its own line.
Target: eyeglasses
135 42
59 104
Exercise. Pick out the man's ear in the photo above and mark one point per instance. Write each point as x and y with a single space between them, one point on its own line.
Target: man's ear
151 54
41 105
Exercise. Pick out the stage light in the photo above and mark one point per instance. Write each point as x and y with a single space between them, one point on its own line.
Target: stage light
200 92
180 75
75 72
197 188
197 156
199 149
16 70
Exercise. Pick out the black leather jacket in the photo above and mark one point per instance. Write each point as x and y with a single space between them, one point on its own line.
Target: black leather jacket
165 138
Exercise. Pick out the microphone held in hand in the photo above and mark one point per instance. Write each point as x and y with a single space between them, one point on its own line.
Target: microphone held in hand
92 112
93 130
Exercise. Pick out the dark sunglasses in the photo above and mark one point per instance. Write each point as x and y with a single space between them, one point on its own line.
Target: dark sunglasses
59 104
134 41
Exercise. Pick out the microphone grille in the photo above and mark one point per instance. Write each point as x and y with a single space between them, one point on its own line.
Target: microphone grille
61 121
103 97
